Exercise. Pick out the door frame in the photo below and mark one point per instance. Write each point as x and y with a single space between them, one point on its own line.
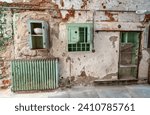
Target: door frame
139 51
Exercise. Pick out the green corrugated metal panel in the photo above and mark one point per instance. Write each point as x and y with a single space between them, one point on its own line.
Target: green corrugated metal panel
30 75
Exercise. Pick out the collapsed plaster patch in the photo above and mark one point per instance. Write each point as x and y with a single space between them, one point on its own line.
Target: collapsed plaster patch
110 16
84 3
71 13
82 79
5 83
113 39
147 18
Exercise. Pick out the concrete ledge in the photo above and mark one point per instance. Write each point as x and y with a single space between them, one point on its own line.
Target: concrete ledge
116 82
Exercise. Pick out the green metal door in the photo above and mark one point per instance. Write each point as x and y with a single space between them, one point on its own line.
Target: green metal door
129 51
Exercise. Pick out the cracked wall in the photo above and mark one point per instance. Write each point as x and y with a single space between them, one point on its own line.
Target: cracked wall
100 64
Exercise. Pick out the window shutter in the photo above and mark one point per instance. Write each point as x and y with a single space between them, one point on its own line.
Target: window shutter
73 34
30 37
89 40
45 35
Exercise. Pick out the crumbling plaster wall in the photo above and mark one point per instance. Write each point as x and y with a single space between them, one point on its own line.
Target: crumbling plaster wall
21 38
104 60
6 46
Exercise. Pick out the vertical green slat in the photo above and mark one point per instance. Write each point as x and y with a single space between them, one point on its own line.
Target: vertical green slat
54 74
27 80
20 76
47 77
52 83
48 72
19 79
48 67
54 69
41 75
13 75
46 80
17 88
51 75
39 65
33 80
33 73
37 72
56 62
24 72
31 76
28 75
15 69
24 78
25 69
44 74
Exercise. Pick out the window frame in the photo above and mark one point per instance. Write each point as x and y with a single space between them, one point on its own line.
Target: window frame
88 44
44 36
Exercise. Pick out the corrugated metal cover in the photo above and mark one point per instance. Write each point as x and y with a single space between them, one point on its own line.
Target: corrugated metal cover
34 74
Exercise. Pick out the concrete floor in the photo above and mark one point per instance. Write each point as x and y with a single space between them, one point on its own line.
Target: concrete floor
128 91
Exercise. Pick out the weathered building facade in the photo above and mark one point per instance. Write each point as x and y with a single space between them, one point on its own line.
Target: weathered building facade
93 39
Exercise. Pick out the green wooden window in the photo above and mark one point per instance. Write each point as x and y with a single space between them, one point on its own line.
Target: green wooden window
79 37
38 34
129 47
